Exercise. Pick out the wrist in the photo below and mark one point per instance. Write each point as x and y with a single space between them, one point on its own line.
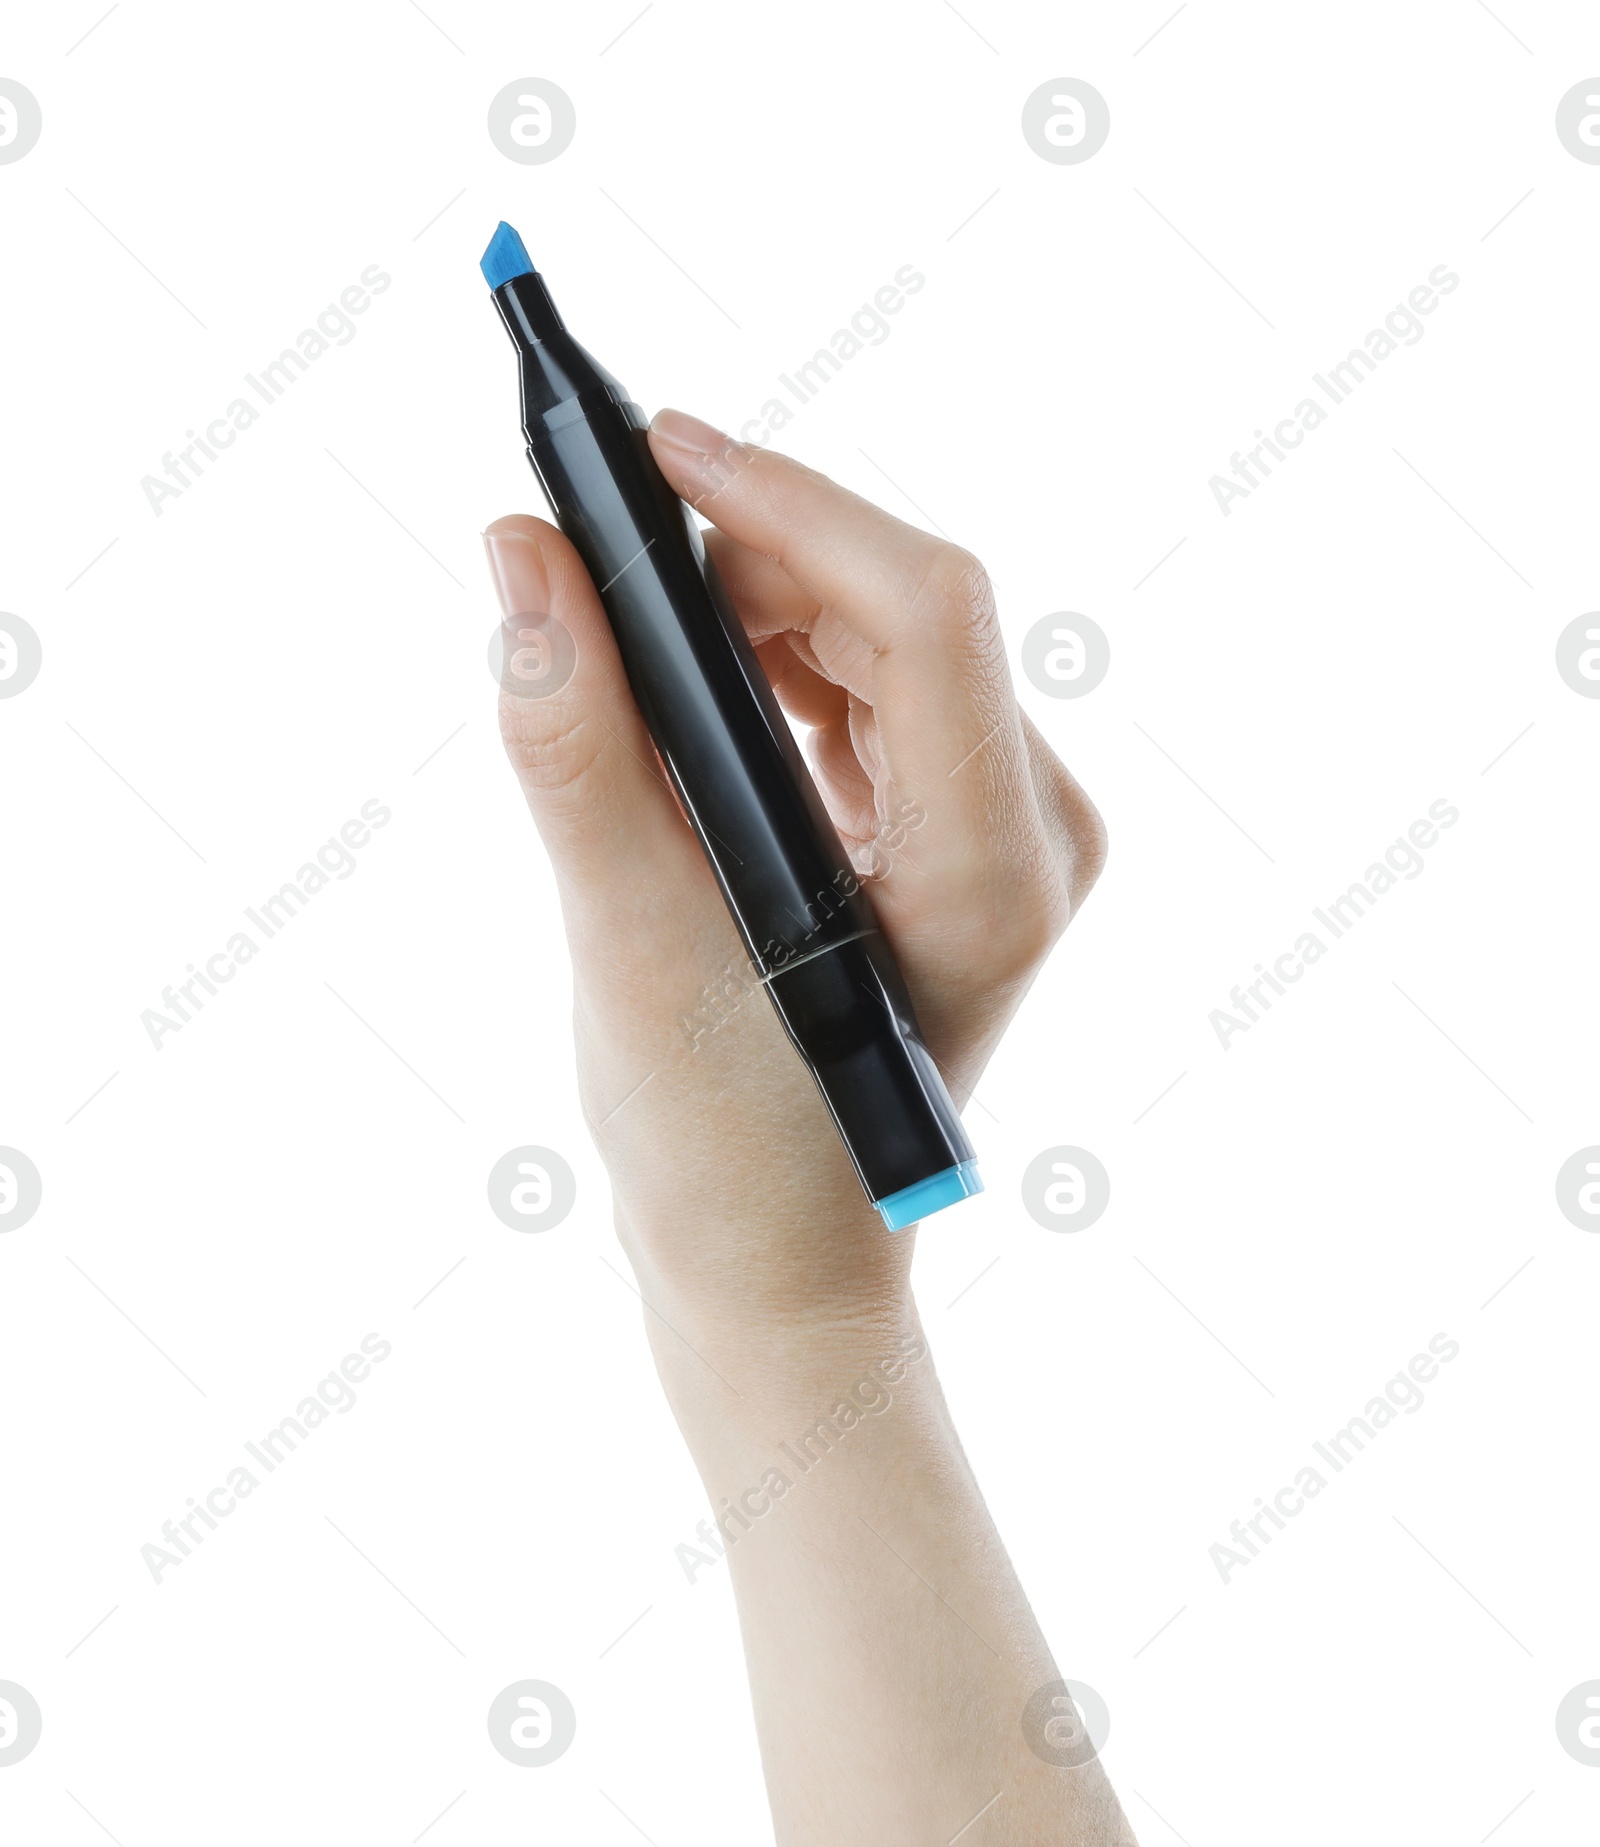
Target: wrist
767 1299
742 1381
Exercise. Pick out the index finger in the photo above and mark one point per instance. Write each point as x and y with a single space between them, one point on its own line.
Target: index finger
920 610
842 551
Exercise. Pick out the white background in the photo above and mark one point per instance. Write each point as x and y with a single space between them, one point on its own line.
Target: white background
1288 1225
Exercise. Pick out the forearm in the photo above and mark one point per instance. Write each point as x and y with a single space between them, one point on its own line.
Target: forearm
891 1650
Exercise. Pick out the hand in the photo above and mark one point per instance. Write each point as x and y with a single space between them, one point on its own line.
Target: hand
733 1195
892 1652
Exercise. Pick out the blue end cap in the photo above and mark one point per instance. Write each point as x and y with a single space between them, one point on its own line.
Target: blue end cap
507 256
932 1195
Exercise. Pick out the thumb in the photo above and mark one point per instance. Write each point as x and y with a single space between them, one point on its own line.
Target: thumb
586 763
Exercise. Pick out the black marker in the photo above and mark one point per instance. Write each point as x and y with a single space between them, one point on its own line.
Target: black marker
806 922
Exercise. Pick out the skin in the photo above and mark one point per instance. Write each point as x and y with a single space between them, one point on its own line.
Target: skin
891 1650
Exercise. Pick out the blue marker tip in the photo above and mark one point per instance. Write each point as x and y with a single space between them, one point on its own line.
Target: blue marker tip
917 1202
507 256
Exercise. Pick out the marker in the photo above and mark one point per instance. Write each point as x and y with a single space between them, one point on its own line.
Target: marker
805 920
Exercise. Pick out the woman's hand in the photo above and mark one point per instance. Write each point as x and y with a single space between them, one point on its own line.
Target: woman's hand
894 1662
733 1195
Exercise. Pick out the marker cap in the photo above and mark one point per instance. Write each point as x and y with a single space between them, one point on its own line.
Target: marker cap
916 1202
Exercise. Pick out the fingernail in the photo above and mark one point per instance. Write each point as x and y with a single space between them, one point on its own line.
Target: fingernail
520 579
690 434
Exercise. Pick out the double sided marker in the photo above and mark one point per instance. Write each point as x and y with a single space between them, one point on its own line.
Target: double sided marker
806 923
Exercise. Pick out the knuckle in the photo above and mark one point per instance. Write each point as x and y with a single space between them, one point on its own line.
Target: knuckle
1077 830
954 587
552 747
1074 828
1090 845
